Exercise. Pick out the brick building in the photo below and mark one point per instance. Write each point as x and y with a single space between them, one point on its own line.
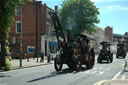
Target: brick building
126 33
109 34
33 28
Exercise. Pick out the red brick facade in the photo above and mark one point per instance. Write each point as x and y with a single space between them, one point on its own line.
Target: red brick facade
126 33
109 34
29 27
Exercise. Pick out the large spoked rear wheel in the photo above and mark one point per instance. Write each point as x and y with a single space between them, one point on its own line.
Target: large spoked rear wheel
58 64
91 59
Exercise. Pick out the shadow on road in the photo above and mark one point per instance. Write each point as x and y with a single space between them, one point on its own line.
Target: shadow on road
3 76
52 74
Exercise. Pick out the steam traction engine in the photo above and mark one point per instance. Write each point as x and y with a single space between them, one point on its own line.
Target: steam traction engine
105 53
120 50
75 51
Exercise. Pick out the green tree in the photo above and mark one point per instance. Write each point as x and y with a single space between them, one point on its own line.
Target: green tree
7 8
79 15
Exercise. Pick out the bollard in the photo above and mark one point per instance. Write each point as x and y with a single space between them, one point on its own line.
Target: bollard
27 58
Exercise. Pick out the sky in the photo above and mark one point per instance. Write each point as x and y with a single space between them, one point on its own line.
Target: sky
113 13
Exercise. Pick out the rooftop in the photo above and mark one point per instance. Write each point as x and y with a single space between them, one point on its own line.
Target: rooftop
120 36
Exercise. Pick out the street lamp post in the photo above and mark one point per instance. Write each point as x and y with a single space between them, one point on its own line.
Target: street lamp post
21 44
36 29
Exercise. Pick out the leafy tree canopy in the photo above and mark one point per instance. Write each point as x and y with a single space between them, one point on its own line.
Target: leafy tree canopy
7 8
79 15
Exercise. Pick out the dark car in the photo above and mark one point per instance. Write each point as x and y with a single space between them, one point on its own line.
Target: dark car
105 53
120 51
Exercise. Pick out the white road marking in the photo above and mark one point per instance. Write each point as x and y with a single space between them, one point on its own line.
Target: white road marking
87 71
108 69
123 77
95 68
93 72
117 74
101 72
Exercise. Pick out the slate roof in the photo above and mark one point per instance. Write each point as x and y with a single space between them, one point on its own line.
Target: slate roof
120 36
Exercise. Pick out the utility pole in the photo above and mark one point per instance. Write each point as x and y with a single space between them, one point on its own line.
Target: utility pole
36 29
21 44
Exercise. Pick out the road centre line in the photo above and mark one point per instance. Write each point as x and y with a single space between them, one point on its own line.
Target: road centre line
117 74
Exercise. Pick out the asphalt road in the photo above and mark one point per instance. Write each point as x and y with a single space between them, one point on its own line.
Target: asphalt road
46 75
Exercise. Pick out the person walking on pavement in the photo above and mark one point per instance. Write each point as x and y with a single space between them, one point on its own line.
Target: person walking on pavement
48 56
42 57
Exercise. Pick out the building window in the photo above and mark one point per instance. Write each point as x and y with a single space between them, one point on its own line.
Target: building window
18 26
48 29
47 13
18 11
30 49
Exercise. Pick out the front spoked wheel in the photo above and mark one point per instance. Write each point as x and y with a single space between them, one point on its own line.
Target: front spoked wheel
77 64
58 64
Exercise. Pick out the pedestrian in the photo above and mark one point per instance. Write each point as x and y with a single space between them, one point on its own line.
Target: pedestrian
9 56
49 57
52 57
42 57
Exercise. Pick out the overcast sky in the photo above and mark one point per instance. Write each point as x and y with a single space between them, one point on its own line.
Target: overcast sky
112 13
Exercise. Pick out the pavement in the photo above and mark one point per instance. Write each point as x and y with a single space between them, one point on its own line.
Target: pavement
31 62
27 63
